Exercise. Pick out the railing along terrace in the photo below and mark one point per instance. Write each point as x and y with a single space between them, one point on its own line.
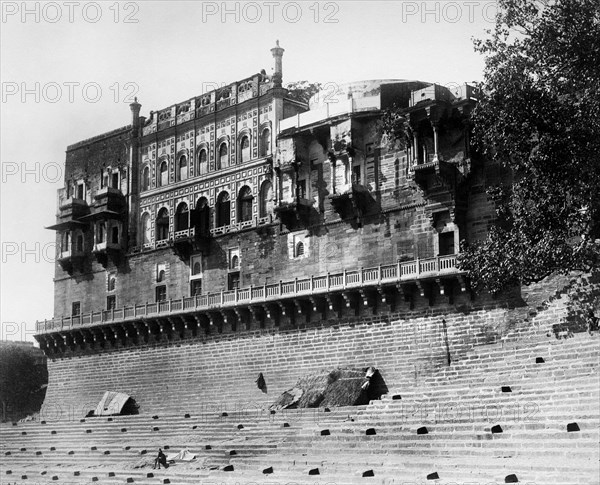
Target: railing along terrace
191 232
313 285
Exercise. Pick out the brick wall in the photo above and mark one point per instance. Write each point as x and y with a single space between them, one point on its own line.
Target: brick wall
221 369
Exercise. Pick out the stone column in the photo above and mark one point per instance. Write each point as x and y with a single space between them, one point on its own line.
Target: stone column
434 125
416 147
332 163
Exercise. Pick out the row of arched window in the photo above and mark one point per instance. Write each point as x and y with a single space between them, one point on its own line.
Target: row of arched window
203 218
222 161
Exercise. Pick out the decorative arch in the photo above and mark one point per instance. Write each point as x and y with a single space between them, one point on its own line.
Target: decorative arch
112 282
266 199
182 217
182 171
201 217
145 183
146 227
264 141
222 159
244 143
223 209
162 224
244 204
79 241
162 172
202 157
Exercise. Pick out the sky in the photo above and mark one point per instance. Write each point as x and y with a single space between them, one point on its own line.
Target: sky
70 69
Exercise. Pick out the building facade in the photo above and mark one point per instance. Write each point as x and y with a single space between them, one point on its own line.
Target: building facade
243 209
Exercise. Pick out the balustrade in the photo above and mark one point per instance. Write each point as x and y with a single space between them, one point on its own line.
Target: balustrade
401 271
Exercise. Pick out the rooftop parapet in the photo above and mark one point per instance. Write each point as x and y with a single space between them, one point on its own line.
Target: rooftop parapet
210 102
331 110
100 137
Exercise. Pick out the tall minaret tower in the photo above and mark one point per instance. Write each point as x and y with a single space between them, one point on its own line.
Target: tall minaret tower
278 55
133 173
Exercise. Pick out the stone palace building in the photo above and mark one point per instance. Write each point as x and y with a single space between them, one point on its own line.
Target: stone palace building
201 233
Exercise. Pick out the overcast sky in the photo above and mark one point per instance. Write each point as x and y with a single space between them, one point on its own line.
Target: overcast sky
69 70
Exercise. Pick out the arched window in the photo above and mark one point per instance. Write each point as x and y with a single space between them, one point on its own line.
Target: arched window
146 178
182 217
115 180
79 244
115 235
223 160
197 268
161 276
101 232
265 142
223 210
162 225
112 283
235 262
182 168
202 217
145 228
300 249
244 204
163 178
266 204
66 242
245 149
202 162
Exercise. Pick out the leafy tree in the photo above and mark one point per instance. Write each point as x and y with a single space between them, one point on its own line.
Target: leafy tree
21 380
302 90
539 117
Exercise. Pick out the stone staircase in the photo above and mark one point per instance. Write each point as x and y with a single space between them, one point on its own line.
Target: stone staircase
524 409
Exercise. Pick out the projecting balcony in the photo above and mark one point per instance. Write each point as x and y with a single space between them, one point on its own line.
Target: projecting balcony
105 251
184 235
109 199
106 246
71 207
240 226
423 171
351 200
186 241
294 212
70 259
416 273
71 211
435 174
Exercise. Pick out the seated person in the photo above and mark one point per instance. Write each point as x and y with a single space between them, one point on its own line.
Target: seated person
161 459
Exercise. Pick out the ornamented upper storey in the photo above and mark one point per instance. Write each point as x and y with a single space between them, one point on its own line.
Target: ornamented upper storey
209 103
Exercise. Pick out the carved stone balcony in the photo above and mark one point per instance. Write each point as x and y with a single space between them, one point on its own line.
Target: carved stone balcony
351 201
186 241
293 213
73 208
70 212
426 173
109 199
71 259
108 251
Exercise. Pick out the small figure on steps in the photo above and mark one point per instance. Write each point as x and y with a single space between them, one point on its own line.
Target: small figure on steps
592 321
161 459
